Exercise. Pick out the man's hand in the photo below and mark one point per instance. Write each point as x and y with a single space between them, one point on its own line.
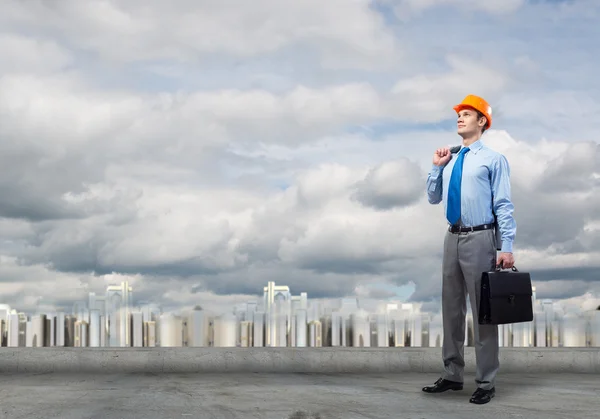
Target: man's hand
442 156
505 260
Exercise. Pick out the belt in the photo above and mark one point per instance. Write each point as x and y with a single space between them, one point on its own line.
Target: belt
459 229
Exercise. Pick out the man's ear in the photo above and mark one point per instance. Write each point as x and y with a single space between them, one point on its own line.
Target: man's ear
484 119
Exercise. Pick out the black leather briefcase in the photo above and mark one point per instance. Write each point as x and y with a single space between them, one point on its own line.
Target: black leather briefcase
505 297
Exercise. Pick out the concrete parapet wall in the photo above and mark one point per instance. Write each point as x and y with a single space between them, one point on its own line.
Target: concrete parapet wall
283 360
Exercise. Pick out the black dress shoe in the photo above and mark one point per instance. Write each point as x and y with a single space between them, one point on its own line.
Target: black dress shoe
442 385
482 396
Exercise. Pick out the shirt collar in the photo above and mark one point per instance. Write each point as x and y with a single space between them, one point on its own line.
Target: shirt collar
476 146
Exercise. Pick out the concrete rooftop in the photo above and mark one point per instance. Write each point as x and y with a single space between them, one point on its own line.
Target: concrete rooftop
290 396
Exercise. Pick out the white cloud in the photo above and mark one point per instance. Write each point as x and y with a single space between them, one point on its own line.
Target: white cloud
199 195
185 30
489 6
391 184
21 54
428 98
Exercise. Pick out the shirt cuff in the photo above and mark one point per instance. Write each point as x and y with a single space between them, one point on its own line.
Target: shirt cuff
435 171
507 247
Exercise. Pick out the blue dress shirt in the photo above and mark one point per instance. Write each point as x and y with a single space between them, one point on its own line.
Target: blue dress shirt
485 190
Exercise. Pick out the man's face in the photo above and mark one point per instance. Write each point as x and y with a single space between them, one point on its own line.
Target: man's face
468 123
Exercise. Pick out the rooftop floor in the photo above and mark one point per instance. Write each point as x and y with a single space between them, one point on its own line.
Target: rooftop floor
290 396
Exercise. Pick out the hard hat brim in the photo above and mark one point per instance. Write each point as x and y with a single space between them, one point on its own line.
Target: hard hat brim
462 106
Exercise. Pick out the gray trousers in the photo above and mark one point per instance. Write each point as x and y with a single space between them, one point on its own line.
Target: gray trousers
466 256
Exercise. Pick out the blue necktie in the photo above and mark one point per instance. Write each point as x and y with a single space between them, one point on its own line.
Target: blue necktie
453 210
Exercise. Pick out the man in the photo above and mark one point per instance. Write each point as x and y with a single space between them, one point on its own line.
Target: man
475 187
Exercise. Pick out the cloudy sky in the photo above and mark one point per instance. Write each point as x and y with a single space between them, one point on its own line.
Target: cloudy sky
202 148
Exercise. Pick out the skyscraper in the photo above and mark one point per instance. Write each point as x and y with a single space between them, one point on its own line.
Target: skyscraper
119 301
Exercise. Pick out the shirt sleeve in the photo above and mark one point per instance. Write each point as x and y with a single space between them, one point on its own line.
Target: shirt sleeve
434 185
502 204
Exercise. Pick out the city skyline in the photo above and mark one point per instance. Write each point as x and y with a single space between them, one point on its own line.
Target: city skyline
279 319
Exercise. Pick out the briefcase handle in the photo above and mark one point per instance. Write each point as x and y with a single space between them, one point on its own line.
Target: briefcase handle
499 268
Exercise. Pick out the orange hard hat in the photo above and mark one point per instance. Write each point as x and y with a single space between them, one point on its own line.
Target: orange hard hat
479 104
